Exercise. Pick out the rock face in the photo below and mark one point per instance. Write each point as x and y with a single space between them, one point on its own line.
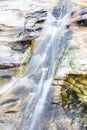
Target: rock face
72 70
20 22
71 74
20 31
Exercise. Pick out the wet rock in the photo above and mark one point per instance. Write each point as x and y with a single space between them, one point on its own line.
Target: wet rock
21 45
7 101
82 22
9 66
22 23
71 74
71 70
40 21
60 11
37 14
83 10
74 108
77 83
79 17
5 79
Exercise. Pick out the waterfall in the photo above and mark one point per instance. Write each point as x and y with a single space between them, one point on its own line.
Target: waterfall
41 68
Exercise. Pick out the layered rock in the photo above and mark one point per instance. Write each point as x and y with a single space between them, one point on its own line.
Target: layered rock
72 69
71 74
21 23
17 39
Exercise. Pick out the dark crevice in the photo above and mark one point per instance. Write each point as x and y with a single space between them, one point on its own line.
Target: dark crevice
8 112
82 22
9 101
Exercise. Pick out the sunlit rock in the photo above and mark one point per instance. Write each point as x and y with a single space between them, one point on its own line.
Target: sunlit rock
26 98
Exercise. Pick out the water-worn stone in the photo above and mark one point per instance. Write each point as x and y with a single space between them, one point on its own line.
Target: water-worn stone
72 70
71 74
20 22
22 25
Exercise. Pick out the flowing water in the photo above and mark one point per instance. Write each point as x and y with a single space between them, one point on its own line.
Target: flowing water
42 65
40 70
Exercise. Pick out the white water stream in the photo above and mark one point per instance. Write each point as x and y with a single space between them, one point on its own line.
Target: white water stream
41 69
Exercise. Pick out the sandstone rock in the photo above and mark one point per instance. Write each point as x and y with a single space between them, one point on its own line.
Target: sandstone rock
21 26
21 23
73 66
71 74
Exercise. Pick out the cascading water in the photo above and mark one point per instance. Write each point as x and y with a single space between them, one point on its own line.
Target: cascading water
41 69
